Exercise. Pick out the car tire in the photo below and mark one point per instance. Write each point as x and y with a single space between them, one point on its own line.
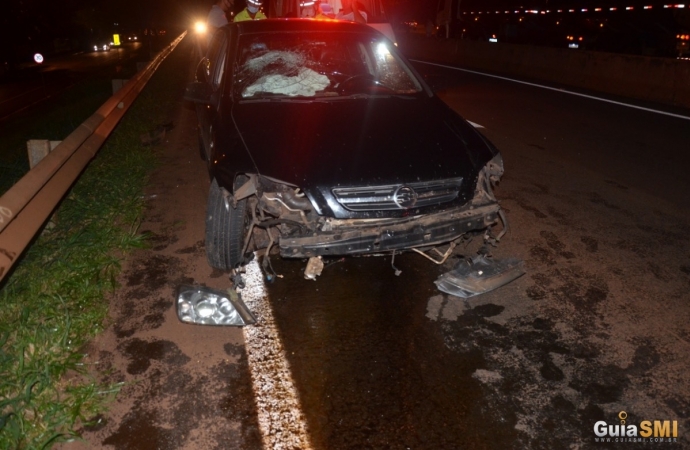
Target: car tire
225 230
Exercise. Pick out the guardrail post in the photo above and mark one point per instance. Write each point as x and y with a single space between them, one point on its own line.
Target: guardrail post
39 149
117 84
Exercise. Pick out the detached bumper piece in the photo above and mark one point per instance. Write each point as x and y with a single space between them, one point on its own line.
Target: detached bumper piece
201 305
479 275
352 237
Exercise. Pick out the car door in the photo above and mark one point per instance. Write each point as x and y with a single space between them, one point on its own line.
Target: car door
211 71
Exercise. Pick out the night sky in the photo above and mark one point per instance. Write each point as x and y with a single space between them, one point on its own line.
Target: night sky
27 25
67 12
55 15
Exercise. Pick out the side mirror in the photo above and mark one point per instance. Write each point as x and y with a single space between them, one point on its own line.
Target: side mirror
198 93
202 70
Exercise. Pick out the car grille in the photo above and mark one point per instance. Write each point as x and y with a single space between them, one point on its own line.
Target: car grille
398 196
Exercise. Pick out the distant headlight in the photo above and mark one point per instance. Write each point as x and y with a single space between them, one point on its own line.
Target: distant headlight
95 47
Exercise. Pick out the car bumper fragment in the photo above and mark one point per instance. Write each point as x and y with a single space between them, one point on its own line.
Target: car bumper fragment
479 275
351 237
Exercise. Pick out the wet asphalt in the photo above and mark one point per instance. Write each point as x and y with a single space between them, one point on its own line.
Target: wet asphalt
371 369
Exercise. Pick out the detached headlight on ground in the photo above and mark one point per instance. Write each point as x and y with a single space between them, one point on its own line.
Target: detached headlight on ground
201 305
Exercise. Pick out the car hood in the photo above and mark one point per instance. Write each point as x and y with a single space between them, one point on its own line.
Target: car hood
357 142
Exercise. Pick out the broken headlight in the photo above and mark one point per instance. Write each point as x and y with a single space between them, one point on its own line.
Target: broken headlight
201 305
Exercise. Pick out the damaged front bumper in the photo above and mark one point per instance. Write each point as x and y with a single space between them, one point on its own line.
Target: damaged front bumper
362 236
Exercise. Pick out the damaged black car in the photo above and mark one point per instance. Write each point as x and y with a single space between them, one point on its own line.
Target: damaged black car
322 140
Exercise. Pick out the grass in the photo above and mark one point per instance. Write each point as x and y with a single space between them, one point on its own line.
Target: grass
54 301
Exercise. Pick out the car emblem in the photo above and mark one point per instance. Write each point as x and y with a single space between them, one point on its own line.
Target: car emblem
405 197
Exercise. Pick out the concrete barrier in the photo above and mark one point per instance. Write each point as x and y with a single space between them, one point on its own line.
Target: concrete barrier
661 80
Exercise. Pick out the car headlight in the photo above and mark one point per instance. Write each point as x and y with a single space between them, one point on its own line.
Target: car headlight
201 305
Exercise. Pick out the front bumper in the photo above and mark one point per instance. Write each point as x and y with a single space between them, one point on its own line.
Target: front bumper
362 236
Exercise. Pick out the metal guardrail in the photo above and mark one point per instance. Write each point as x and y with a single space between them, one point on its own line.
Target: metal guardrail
26 206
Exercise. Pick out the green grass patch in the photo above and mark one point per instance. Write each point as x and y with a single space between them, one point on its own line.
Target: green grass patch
54 302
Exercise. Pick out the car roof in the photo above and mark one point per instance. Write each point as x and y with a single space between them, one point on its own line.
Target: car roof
301 25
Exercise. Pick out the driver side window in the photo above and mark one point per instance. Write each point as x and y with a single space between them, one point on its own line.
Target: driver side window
219 66
216 59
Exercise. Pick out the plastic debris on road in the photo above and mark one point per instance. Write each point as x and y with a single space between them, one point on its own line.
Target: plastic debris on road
314 268
478 275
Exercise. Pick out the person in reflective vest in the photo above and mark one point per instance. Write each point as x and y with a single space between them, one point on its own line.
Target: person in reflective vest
251 12
324 11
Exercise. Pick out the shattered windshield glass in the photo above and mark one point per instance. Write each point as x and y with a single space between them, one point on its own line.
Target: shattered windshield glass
319 65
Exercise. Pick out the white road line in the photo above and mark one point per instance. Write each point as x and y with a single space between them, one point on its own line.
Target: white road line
282 422
476 125
558 90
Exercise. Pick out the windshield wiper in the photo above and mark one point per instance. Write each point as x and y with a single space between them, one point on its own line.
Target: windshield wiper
365 95
325 98
283 99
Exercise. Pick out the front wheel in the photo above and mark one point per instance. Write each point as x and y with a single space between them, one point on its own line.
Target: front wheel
225 230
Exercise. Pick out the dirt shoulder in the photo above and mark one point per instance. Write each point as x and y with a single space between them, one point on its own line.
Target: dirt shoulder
175 381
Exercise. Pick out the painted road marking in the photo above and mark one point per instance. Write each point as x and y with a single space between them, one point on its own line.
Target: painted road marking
476 125
558 90
281 420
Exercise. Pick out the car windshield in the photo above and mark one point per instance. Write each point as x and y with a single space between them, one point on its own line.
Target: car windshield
319 65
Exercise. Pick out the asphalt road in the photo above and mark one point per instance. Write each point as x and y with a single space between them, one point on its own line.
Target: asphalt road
31 85
362 358
641 145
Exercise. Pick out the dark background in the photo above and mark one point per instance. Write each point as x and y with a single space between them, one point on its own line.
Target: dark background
50 26
650 32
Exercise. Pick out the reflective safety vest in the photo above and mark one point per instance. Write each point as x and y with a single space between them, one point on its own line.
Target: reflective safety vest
244 15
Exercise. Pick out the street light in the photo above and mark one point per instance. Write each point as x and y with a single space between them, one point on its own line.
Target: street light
200 27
